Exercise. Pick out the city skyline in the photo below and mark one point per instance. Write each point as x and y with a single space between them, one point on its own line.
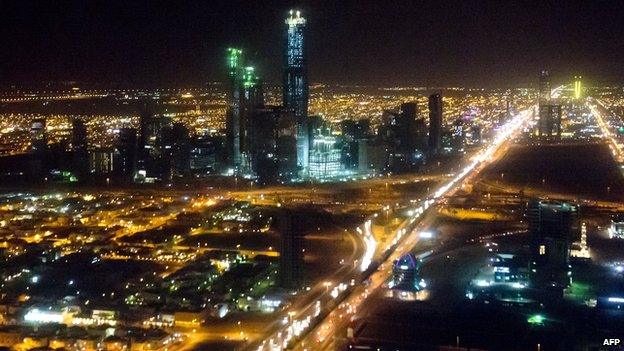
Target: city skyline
141 43
179 197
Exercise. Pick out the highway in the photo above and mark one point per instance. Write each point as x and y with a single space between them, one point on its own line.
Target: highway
316 327
608 128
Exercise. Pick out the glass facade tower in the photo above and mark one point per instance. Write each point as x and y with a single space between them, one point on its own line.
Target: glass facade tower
295 89
233 124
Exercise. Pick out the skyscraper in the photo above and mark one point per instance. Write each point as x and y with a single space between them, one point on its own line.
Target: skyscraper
176 150
252 99
273 147
244 96
400 133
549 124
352 133
544 87
79 136
38 135
291 255
324 157
550 228
235 74
79 148
126 152
458 136
295 89
435 122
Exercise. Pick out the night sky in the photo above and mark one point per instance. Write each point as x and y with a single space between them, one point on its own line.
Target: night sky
182 43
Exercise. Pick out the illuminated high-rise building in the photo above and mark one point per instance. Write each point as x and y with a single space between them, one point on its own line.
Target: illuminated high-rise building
435 123
551 229
549 123
544 87
252 99
458 139
38 135
244 96
325 153
79 136
325 157
233 122
125 152
577 87
295 86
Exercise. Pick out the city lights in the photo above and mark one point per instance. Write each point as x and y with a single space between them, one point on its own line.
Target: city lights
236 176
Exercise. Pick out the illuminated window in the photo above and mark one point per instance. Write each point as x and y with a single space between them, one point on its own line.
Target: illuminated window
542 250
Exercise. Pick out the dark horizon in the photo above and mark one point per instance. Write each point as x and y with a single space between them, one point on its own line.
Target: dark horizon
400 43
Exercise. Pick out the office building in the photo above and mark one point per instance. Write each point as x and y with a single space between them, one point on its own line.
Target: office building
150 133
372 156
458 136
291 252
406 133
510 268
38 135
544 87
125 153
78 154
244 96
176 150
101 161
79 141
151 162
435 123
207 154
295 85
549 123
325 157
404 136
253 98
325 153
351 133
446 142
273 144
551 228
234 97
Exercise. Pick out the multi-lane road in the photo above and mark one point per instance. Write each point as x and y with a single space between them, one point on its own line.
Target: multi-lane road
608 128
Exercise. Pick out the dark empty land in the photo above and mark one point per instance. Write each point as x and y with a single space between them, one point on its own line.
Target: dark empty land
585 170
